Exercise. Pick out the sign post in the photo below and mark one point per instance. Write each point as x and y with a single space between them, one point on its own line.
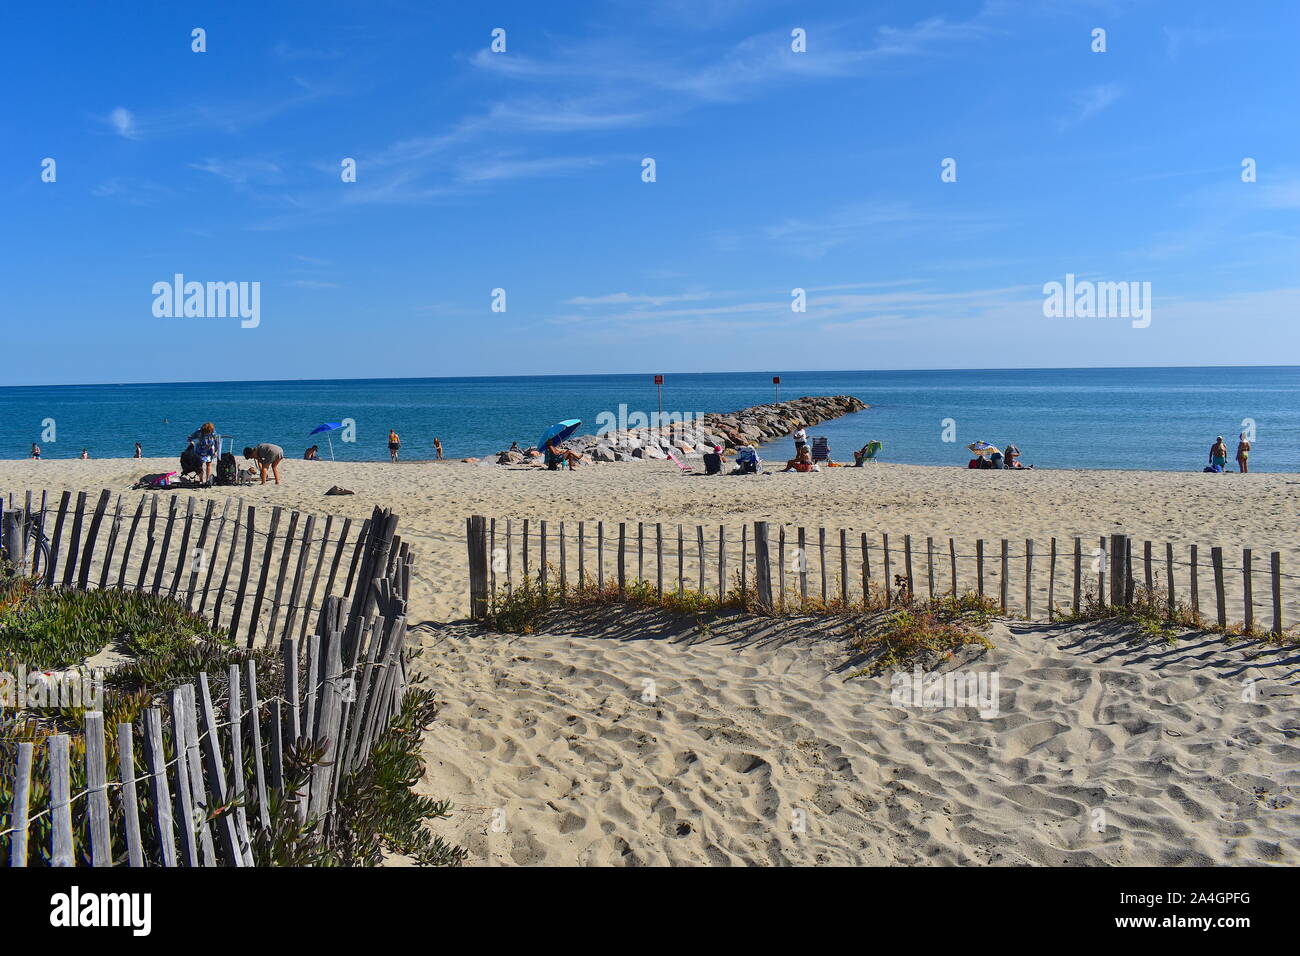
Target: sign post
659 384
776 384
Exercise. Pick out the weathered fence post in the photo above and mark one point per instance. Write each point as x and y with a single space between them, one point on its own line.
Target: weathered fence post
1276 561
478 566
1248 593
1004 582
19 819
1029 579
762 565
1216 557
1118 580
1078 571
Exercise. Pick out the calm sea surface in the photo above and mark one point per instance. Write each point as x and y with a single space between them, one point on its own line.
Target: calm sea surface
1162 419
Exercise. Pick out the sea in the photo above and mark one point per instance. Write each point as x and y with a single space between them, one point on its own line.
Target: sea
1112 418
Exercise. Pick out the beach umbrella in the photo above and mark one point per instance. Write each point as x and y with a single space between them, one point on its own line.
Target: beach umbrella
982 448
327 428
559 432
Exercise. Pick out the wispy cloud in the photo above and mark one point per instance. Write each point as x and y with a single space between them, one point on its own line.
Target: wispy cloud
313 284
815 235
123 121
1090 102
627 298
239 171
828 307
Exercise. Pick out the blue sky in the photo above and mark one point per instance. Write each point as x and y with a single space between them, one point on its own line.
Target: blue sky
522 170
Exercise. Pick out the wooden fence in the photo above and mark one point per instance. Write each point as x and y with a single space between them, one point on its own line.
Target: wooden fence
192 789
259 576
791 568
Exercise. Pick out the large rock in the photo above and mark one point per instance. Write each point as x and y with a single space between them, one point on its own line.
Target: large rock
748 426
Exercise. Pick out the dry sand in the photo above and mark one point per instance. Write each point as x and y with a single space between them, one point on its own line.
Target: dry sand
751 732
553 753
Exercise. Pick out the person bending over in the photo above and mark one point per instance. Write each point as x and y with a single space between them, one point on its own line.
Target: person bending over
266 456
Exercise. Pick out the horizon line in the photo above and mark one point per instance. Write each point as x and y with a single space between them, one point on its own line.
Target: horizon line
765 372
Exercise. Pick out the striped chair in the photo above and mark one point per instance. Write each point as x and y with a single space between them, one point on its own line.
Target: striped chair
821 450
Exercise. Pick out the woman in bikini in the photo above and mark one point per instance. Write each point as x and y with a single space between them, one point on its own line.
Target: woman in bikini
394 444
1243 453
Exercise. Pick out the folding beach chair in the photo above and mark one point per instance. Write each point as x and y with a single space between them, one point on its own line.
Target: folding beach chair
869 455
821 450
685 468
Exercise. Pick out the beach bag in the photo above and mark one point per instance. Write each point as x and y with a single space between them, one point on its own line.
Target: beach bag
158 481
190 461
227 472
1214 469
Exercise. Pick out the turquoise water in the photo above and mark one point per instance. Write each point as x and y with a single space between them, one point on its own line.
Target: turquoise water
1160 419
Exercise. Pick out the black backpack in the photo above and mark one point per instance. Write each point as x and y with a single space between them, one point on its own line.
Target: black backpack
227 472
190 461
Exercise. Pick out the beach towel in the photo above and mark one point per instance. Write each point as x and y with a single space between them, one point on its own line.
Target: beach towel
158 481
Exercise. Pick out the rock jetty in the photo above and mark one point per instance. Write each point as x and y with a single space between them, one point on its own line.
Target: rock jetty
698 434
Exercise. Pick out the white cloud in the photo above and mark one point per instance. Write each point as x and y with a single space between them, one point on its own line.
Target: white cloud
124 122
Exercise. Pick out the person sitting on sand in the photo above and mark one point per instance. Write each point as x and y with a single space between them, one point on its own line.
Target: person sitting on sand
36 450
266 456
1243 453
208 447
747 461
713 461
800 462
1219 454
1013 458
85 455
394 444
557 455
311 454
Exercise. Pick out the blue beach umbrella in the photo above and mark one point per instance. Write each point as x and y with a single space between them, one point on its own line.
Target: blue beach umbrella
327 428
559 432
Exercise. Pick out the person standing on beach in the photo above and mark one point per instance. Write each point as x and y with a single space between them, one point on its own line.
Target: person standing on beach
437 448
139 452
1243 453
85 454
266 456
1219 454
394 444
36 450
208 448
800 441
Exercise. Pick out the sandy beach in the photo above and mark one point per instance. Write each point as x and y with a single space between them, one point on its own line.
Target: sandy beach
552 754
432 500
757 749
